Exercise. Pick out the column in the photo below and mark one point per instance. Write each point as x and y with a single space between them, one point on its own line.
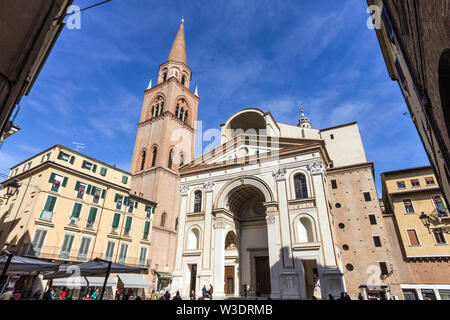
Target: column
219 257
208 187
283 208
274 250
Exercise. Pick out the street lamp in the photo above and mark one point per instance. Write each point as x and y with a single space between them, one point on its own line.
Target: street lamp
425 220
11 189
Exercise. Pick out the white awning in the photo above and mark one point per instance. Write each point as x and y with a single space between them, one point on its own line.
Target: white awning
98 281
133 281
76 282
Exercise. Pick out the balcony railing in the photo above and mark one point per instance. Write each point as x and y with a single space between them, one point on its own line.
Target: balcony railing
442 213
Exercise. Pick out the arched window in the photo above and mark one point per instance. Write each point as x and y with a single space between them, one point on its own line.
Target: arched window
164 76
163 219
185 116
170 162
183 80
198 201
157 106
143 160
301 189
304 230
155 151
181 160
193 239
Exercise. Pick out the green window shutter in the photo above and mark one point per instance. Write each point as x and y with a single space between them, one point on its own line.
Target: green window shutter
60 155
116 197
153 209
72 159
52 177
128 223
92 214
64 182
147 226
94 168
103 193
103 171
135 204
77 185
50 203
93 190
76 210
116 220
146 208
126 201
89 189
124 179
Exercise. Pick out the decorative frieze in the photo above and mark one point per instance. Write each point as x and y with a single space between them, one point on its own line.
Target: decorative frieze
184 190
279 174
315 168
270 218
219 223
209 186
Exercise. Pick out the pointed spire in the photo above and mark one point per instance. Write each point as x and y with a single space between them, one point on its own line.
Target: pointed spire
178 51
196 91
149 85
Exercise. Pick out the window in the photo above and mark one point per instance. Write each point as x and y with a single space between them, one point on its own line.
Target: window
143 256
63 156
341 226
27 166
115 223
123 253
45 157
81 189
110 250
429 181
439 236
301 189
47 212
305 231
148 211
127 228
142 160
333 184
86 165
37 243
103 171
155 151
349 267
66 246
57 181
8 212
132 206
75 216
332 136
169 164
440 206
118 200
157 107
163 219
401 185
198 201
91 218
124 179
146 230
377 241
408 206
383 268
372 219
96 193
183 80
412 236
84 248
193 242
367 196
415 183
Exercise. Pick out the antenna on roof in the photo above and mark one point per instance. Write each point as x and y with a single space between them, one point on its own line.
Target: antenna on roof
78 145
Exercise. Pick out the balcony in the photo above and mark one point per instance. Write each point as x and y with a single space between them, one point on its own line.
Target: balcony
46 215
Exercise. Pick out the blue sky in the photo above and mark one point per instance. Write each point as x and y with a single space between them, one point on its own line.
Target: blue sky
275 55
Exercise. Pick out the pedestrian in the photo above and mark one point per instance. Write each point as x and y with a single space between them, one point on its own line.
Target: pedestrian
167 295
330 297
36 295
138 298
342 297
153 295
87 297
245 289
62 295
177 296
17 295
193 295
204 292
360 296
347 296
95 295
210 292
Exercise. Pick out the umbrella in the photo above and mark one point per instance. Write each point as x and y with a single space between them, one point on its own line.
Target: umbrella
12 263
92 268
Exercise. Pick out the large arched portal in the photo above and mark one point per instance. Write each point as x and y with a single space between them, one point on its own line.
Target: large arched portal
247 260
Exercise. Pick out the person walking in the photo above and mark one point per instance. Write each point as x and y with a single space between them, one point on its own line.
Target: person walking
210 292
360 296
204 292
167 295
193 297
330 297
245 289
95 294
153 295
177 296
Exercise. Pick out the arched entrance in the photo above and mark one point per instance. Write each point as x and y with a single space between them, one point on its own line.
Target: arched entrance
248 240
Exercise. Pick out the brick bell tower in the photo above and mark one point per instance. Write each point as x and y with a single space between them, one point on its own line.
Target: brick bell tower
164 142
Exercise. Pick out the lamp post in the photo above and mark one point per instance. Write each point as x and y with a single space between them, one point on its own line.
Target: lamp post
11 189
425 220
5 269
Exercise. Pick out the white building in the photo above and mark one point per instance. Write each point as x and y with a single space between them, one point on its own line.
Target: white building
256 210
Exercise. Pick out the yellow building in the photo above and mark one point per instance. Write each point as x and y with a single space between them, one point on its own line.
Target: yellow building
72 208
418 222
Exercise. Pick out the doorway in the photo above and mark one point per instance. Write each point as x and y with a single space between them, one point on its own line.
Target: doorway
193 268
229 280
262 270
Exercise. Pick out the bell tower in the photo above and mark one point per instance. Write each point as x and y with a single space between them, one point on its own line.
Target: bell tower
164 142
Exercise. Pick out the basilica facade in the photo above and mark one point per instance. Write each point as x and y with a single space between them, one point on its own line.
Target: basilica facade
283 209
